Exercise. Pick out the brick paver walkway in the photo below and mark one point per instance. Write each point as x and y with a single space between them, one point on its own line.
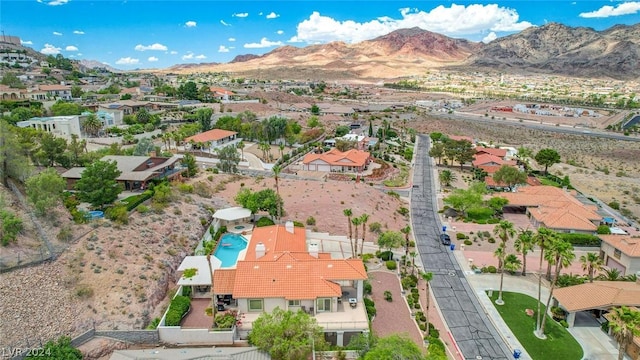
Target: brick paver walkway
392 317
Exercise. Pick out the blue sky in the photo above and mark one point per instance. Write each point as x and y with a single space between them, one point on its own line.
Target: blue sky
156 34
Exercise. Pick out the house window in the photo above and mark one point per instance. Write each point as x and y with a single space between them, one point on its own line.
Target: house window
294 302
617 253
323 304
255 305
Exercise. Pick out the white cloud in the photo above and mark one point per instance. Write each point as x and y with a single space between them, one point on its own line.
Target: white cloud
201 57
224 23
53 2
231 39
173 52
156 46
279 32
223 49
79 54
260 13
188 56
456 20
152 59
78 32
127 61
241 15
26 42
626 8
190 23
264 43
490 37
50 50
272 15
57 33
71 48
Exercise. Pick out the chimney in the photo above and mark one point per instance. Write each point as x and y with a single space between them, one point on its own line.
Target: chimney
289 226
313 250
260 250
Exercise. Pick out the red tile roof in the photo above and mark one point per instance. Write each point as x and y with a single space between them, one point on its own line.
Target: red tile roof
598 295
292 278
211 135
336 157
629 245
492 151
555 208
490 160
224 280
276 239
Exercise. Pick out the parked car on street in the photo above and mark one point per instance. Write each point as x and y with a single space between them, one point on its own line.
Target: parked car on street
445 239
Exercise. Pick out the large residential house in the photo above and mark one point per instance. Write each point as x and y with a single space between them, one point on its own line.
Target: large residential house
213 139
554 208
136 171
621 252
63 126
334 160
8 93
57 91
282 269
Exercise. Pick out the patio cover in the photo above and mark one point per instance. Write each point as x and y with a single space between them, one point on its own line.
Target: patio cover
202 276
598 295
234 213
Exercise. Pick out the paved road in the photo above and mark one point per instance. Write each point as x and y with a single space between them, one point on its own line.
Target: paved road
469 325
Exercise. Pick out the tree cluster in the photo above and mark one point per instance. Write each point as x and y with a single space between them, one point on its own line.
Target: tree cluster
263 200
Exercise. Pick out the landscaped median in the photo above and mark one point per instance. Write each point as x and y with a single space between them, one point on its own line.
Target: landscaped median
559 343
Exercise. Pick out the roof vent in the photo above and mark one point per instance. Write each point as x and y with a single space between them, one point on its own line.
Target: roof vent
289 266
260 250
289 226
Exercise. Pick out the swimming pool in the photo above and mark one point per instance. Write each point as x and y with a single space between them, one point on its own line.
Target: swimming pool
229 248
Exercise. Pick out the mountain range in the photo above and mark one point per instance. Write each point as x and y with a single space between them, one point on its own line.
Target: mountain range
550 49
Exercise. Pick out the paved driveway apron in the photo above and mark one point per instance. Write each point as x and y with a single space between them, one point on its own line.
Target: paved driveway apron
474 334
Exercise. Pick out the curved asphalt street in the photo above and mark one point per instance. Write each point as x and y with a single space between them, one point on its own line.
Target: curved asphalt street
474 334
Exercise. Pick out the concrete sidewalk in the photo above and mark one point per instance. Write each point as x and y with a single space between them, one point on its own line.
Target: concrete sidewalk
595 343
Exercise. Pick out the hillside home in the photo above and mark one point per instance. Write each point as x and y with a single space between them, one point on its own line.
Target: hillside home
214 139
621 252
8 93
282 269
57 91
136 171
334 160
554 208
63 126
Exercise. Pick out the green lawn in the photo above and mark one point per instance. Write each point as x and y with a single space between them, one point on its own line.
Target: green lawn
559 343
545 181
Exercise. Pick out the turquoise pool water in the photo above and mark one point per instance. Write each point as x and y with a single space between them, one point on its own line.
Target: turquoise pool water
229 248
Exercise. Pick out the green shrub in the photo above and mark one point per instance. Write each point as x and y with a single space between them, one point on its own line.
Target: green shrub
491 240
118 214
298 224
367 257
143 209
178 307
493 221
603 230
153 324
225 320
580 239
385 255
391 265
468 242
387 295
460 236
370 306
433 332
409 282
367 287
491 269
185 188
264 221
311 221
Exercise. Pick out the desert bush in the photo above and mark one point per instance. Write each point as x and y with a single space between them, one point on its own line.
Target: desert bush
391 265
491 269
311 221
84 291
388 296
581 239
603 230
264 221
461 236
178 307
375 227
118 214
468 242
65 234
493 221
185 188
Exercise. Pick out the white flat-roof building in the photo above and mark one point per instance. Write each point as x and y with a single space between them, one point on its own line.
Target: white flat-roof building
63 126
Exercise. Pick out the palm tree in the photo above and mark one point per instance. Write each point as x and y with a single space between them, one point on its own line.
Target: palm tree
446 177
406 231
348 213
214 303
562 252
92 125
276 171
356 221
281 147
543 238
363 220
611 275
427 277
523 244
500 253
624 323
512 263
591 263
413 254
505 231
